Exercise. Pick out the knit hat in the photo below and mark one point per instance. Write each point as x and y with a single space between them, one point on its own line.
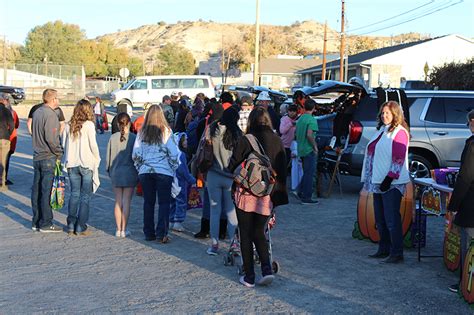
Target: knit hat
263 96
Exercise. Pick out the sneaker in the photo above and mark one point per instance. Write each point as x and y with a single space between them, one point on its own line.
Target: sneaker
296 194
454 288
35 229
164 240
309 202
118 233
178 227
9 182
125 233
213 250
245 283
51 229
266 280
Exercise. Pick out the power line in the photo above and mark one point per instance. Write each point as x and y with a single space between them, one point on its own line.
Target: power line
414 18
391 18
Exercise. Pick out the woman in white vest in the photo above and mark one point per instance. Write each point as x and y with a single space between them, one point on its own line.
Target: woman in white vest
385 174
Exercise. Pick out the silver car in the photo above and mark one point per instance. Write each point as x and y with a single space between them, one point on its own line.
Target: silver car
437 127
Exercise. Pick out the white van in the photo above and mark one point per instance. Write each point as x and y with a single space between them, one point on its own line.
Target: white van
151 89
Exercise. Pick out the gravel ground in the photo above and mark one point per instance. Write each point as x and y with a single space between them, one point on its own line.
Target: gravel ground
323 269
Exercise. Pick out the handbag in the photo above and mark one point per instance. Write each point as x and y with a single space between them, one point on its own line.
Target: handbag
205 154
57 191
194 198
105 122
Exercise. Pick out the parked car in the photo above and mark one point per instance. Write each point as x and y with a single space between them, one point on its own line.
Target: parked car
151 89
437 127
17 94
416 85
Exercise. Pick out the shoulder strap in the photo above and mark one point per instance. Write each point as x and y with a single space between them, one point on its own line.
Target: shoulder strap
256 146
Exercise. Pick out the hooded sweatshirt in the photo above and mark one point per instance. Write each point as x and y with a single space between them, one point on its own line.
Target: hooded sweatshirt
221 154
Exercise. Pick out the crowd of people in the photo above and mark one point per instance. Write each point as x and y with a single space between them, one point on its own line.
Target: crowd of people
161 155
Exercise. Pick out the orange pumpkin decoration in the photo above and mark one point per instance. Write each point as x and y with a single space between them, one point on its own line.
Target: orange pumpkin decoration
467 280
451 244
366 214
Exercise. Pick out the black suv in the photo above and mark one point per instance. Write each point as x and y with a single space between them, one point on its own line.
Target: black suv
18 94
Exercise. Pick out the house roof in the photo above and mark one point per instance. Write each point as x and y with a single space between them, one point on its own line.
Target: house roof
286 66
366 55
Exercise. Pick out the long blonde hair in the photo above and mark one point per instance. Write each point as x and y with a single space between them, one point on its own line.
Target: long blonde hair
154 126
397 113
82 113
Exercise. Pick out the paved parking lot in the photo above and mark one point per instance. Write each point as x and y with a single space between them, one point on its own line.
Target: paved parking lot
323 269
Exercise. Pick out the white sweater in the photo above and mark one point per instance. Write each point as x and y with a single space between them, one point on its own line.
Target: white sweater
82 150
383 162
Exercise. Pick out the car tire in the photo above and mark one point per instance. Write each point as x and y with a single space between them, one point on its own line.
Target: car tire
419 166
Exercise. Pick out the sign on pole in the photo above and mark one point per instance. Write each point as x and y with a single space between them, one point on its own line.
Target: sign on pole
124 73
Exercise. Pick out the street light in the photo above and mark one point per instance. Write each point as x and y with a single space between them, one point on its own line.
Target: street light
257 46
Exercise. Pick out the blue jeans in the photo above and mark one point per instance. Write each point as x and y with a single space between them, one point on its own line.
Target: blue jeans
221 202
179 206
389 221
80 179
206 207
156 184
98 122
309 170
41 192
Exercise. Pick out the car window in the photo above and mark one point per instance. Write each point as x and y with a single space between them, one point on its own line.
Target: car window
140 84
436 112
367 109
156 84
456 109
451 110
187 83
202 83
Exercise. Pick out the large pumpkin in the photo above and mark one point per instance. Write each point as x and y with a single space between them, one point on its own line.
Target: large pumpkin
366 214
467 281
451 244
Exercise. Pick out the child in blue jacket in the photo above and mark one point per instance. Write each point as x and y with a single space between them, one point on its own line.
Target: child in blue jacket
179 206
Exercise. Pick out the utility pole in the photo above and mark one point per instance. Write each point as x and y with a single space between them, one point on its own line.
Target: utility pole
341 48
256 67
323 76
222 59
4 59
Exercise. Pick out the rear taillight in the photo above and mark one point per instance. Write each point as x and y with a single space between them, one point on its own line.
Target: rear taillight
355 132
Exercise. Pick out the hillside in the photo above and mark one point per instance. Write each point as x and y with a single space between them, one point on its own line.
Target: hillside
205 38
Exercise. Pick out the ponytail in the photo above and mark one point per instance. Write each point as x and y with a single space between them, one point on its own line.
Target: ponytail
123 120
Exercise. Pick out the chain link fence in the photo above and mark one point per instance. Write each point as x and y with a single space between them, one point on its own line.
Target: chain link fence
69 80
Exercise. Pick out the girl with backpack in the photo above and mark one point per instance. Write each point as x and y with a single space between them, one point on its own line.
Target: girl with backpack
255 211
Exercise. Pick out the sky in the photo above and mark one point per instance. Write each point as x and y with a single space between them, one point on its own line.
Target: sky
99 17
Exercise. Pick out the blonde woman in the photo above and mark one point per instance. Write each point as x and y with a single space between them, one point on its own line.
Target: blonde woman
81 158
122 172
156 158
385 174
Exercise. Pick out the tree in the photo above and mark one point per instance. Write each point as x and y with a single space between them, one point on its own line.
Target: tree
59 41
357 44
174 59
454 76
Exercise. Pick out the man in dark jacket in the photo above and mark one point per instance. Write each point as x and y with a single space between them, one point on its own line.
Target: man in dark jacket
46 151
462 199
6 128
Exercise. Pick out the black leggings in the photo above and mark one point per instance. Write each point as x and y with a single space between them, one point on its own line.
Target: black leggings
252 230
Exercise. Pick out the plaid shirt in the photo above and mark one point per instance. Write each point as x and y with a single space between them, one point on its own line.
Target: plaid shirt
244 117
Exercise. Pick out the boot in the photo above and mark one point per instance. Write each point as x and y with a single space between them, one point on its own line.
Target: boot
204 232
222 229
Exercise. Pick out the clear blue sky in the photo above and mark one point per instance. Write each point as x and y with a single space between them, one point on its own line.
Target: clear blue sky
98 17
